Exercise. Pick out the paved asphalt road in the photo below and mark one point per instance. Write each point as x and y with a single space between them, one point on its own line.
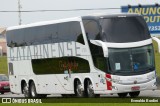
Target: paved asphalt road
148 93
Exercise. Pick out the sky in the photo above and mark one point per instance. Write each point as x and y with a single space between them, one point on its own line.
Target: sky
8 19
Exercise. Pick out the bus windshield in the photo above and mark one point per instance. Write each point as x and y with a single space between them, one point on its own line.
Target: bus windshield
124 29
131 60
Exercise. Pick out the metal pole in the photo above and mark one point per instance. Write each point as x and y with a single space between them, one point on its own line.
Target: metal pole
19 12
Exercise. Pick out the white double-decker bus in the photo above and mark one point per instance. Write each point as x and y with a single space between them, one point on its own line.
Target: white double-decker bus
82 56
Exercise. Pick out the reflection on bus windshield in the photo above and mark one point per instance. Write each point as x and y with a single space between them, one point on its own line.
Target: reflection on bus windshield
133 59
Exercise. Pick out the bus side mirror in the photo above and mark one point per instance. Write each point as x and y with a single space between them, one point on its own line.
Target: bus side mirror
158 41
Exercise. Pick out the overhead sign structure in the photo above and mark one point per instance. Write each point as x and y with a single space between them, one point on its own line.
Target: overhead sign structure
151 14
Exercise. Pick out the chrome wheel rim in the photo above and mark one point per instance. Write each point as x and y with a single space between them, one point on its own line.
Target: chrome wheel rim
25 91
90 89
79 89
33 91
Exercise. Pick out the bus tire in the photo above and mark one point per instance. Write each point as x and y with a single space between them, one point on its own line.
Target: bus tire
89 90
134 94
25 90
79 92
33 91
122 95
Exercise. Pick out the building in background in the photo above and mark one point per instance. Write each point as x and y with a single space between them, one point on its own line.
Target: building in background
3 49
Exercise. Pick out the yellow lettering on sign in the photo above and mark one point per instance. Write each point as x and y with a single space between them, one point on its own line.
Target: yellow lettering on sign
158 18
146 18
130 10
145 11
150 14
158 10
152 19
138 10
153 10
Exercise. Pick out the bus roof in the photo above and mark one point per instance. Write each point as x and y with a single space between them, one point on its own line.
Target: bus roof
92 16
102 15
43 23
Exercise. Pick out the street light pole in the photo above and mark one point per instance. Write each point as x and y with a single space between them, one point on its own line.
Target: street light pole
19 12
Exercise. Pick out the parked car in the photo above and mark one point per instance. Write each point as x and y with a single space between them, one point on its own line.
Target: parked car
4 84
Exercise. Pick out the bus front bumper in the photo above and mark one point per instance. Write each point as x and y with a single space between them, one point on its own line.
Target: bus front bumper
120 88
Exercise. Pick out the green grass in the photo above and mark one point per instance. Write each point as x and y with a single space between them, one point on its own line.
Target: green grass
3 65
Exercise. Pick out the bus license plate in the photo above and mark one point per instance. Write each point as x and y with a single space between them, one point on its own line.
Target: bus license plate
135 88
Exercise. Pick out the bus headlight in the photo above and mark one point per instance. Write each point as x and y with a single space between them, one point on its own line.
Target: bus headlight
116 80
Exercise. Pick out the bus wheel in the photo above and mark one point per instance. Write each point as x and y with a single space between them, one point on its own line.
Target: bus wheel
122 95
26 91
134 94
89 90
79 92
33 90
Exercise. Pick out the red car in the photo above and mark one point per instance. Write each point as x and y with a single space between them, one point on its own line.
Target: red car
4 84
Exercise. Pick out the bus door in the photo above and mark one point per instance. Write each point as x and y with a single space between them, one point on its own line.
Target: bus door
65 81
13 79
68 79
